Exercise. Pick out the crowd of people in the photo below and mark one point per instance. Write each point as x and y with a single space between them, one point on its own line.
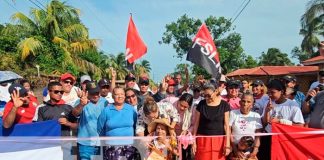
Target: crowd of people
207 118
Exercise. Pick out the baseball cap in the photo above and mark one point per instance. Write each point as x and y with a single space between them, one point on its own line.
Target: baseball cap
144 80
85 78
233 83
92 87
103 82
18 87
171 82
290 78
257 82
321 72
67 76
130 77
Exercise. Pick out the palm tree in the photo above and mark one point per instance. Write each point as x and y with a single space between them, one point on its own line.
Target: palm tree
312 23
59 24
117 62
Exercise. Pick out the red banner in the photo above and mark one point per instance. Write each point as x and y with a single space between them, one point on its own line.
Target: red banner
294 145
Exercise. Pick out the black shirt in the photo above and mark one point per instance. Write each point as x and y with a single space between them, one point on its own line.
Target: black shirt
56 111
211 120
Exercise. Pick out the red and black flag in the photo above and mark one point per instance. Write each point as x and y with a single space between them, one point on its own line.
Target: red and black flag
204 52
135 47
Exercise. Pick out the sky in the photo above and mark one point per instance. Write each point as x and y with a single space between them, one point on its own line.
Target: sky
262 24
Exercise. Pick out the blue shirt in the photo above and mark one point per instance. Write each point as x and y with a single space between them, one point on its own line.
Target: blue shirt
88 121
113 122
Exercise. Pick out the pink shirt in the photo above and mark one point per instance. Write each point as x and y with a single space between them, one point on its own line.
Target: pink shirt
233 102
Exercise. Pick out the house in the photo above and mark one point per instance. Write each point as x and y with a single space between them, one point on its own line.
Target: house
305 74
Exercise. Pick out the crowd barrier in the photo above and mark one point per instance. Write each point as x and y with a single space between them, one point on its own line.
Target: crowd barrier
42 140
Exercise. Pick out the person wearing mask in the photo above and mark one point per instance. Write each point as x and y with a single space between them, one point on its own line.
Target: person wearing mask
105 90
130 82
291 82
243 122
118 119
20 109
90 106
212 118
232 97
261 99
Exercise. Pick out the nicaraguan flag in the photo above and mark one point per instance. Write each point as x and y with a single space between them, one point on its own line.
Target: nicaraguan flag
31 141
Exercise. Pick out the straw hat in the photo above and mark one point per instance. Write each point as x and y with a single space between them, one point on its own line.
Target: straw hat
152 126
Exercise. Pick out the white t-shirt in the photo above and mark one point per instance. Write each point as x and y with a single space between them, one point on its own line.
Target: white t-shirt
244 124
288 110
260 104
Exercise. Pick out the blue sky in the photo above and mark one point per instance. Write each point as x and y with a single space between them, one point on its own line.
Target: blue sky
262 25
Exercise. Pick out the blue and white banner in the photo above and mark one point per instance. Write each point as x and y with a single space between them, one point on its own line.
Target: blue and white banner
26 141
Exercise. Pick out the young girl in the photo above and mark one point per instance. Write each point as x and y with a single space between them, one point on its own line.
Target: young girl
162 147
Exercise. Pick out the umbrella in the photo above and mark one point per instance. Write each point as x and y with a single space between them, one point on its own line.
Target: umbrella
8 76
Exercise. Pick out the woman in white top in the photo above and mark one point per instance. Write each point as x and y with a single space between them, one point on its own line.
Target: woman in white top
243 121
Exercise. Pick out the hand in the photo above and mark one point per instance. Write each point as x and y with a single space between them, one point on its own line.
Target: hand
274 120
227 151
84 98
113 72
164 85
168 77
64 121
1 113
194 148
16 99
184 133
269 106
79 92
172 133
253 154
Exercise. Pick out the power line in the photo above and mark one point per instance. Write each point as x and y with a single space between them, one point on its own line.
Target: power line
241 11
40 4
102 23
237 10
12 6
36 5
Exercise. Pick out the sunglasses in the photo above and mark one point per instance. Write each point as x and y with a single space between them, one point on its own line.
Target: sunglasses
68 82
144 84
57 91
131 96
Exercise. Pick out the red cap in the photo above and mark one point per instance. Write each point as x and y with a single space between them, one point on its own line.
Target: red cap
67 76
171 82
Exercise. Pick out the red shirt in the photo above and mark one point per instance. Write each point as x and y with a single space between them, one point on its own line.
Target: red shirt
24 114
233 102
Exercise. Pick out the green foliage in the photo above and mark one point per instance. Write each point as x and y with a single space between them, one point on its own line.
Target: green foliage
250 62
274 57
312 25
181 32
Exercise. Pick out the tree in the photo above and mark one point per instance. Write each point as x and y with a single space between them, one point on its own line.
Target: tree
59 24
312 25
181 32
274 57
250 62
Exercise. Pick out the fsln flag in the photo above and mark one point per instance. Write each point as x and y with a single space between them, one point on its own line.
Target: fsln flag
204 52
135 47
